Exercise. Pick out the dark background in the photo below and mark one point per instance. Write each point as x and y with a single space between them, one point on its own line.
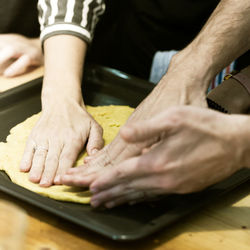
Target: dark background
130 31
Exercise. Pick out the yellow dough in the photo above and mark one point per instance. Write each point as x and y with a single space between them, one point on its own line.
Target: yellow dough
109 117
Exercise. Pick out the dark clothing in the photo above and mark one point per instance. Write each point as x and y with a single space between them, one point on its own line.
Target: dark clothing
77 18
131 31
19 16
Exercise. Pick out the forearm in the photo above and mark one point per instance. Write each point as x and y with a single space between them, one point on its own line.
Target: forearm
223 38
64 59
66 28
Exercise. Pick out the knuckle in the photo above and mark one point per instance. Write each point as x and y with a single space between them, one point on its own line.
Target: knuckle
119 174
175 115
67 156
158 165
73 136
106 157
28 59
40 153
52 158
143 162
11 49
168 184
76 141
134 148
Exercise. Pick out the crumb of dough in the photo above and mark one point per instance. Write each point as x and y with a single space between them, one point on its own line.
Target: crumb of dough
111 118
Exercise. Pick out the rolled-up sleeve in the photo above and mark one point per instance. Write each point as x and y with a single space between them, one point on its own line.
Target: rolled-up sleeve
74 17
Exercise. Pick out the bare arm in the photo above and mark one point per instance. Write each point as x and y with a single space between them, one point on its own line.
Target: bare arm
64 59
64 126
225 36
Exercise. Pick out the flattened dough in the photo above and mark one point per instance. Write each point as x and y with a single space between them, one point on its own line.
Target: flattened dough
109 117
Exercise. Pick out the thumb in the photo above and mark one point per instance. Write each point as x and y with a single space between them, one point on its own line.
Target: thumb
19 67
95 141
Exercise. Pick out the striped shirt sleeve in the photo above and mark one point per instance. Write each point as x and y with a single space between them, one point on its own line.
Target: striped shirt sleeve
74 17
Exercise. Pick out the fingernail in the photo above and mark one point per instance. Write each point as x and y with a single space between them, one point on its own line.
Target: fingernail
110 204
86 159
8 73
93 190
64 178
44 183
34 178
94 151
70 171
57 179
95 203
23 168
131 203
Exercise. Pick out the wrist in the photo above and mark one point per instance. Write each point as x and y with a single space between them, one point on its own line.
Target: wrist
185 80
193 67
58 94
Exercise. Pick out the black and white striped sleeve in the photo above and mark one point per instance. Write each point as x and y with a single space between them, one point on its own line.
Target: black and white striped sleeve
74 17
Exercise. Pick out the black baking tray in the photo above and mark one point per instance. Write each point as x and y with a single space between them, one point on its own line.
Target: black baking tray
103 86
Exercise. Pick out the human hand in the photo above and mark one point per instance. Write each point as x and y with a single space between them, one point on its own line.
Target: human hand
195 148
56 141
177 87
18 54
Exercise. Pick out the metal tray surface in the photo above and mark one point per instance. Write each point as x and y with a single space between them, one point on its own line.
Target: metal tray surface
102 86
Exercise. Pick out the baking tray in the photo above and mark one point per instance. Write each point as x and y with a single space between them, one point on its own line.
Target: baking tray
102 86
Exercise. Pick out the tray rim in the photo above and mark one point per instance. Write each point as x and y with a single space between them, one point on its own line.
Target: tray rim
36 83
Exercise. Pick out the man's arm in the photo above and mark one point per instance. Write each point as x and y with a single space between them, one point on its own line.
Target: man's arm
224 37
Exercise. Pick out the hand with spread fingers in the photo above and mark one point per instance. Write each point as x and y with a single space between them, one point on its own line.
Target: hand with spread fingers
187 78
18 54
192 149
64 126
166 94
52 148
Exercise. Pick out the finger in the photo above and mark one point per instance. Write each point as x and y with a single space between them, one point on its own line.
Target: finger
131 198
81 176
109 194
51 165
96 156
126 170
95 140
141 131
19 67
67 160
77 180
138 192
97 162
6 55
26 161
38 164
87 159
87 169
145 150
75 170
